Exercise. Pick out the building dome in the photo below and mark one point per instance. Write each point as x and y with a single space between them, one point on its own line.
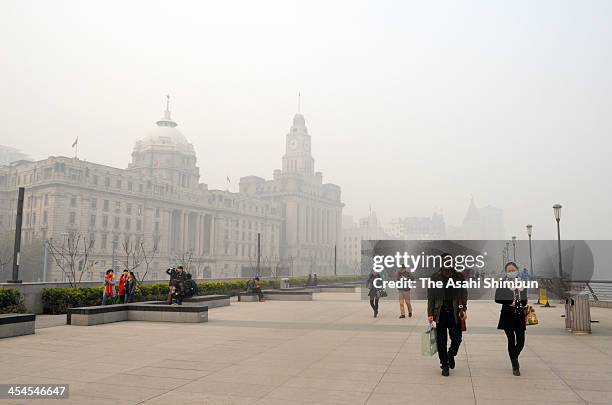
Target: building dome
165 137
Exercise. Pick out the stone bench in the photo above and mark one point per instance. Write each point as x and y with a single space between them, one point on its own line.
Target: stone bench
16 325
338 288
278 295
212 301
151 312
283 295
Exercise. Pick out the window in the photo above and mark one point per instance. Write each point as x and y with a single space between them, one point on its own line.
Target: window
130 186
46 199
157 227
107 182
117 206
128 209
119 184
105 205
73 201
94 203
156 212
103 241
104 221
72 218
94 179
45 217
92 220
139 224
128 224
116 222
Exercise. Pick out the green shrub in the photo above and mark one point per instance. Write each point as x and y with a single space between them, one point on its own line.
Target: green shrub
58 300
11 301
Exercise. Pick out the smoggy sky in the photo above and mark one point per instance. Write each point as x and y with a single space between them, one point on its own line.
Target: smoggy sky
412 106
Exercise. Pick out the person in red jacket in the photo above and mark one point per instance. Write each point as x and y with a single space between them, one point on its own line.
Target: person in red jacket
109 286
121 286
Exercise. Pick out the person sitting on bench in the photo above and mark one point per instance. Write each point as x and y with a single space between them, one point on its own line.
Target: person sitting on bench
253 287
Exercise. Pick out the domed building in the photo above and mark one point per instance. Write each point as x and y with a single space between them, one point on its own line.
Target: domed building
165 153
157 203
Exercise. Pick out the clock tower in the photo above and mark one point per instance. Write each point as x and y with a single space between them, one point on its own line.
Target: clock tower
298 158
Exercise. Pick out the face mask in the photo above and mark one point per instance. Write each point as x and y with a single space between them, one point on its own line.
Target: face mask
512 274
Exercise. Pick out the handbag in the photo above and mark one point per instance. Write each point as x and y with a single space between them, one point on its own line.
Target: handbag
462 319
530 316
382 293
429 345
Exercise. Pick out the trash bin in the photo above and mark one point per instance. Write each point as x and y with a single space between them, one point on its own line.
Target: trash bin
580 314
284 283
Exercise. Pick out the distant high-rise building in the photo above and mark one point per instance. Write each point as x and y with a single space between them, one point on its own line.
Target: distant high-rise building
311 209
485 223
353 234
417 228
9 155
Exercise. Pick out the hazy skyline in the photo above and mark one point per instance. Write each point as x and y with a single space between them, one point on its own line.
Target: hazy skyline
412 107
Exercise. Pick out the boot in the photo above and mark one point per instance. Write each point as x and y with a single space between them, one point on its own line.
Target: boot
451 361
515 367
445 371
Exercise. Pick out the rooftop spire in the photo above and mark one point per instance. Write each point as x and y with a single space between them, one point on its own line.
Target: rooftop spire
167 120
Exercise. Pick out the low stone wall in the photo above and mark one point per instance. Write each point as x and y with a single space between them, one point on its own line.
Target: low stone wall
338 288
16 325
150 312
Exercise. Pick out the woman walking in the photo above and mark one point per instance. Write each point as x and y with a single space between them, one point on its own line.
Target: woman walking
130 287
375 291
109 287
512 316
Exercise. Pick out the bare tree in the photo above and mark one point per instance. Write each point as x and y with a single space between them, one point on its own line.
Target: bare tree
185 259
72 256
147 257
132 254
6 251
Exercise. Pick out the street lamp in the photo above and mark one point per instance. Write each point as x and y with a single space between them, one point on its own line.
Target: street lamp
529 230
557 212
514 249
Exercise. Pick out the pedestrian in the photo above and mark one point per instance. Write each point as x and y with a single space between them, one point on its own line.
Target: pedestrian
130 287
171 284
403 276
256 289
512 315
191 288
375 289
109 286
121 286
315 280
447 307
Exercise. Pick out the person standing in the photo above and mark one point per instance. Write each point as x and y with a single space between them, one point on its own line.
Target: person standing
109 286
447 306
375 288
404 276
512 315
121 286
130 287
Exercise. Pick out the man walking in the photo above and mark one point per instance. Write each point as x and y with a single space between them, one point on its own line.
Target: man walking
446 306
403 291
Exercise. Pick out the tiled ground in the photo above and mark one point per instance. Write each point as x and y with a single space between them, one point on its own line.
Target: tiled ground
328 351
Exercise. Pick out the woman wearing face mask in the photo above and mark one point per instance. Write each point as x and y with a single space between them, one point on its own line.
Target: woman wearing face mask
512 316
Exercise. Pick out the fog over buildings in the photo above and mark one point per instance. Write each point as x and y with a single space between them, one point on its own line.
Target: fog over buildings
414 109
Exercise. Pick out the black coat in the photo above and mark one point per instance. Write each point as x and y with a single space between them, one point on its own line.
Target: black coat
511 317
435 296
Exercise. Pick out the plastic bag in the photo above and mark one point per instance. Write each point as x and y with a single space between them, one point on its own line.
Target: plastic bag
429 346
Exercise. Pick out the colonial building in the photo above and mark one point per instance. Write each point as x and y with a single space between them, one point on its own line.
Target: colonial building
353 234
159 200
311 209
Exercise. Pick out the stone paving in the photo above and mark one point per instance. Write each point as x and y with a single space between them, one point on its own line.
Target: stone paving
327 351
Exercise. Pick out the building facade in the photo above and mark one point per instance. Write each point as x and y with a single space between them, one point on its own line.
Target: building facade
311 209
417 228
368 228
157 203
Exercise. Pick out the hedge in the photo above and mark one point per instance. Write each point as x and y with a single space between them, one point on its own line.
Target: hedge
11 301
58 300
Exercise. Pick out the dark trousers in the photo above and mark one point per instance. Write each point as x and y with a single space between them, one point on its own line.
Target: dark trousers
516 342
374 303
446 324
258 292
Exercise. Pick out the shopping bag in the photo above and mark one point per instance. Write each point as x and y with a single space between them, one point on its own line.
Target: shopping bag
530 316
429 346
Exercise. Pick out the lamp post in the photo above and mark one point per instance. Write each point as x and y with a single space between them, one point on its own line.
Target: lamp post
507 252
514 249
557 212
529 230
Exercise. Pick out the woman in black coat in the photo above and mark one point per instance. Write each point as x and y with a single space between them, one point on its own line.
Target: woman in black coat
374 291
512 316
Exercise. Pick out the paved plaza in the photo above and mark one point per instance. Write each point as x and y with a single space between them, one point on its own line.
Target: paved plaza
328 351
